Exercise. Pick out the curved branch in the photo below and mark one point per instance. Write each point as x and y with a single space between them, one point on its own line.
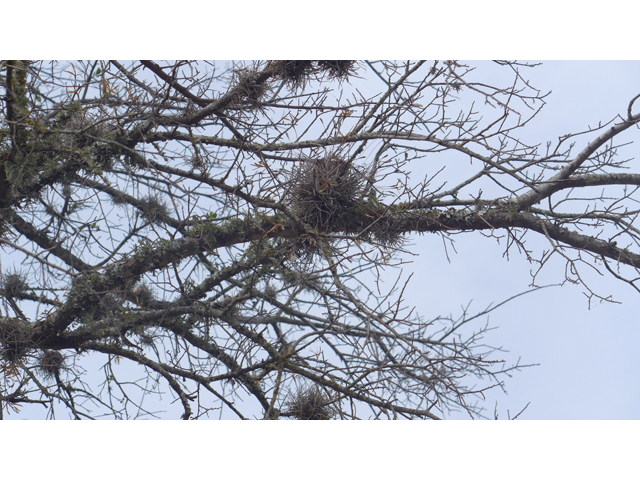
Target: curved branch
543 191
41 239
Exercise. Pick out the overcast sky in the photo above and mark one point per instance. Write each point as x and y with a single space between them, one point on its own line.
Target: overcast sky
588 357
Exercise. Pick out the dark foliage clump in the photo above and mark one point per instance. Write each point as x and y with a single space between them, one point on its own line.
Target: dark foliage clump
14 285
326 189
271 292
154 209
384 229
50 362
15 338
294 73
249 87
310 403
338 69
329 191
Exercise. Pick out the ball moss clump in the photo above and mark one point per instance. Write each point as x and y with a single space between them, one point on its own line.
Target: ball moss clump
386 231
15 338
154 208
270 292
248 87
14 284
310 403
294 73
325 189
338 69
50 362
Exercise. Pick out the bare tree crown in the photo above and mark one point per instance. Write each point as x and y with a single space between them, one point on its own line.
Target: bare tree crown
220 229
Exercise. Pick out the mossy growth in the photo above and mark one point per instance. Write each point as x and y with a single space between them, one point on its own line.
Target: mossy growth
154 209
310 403
50 363
14 284
330 193
325 189
248 87
15 339
296 73
338 69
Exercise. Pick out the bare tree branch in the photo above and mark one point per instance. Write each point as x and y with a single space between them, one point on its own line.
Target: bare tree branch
224 229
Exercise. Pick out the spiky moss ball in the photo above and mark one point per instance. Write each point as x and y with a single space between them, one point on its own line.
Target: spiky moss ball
338 69
50 362
294 73
154 208
271 292
13 352
14 284
310 403
119 198
67 190
385 231
15 338
324 189
248 88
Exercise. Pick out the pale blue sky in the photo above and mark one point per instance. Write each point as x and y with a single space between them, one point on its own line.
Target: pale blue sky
588 360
